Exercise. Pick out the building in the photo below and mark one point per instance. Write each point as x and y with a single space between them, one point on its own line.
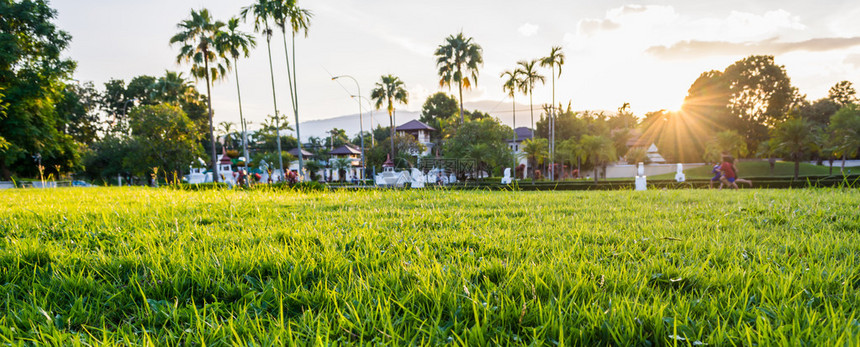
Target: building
351 153
651 151
515 145
421 133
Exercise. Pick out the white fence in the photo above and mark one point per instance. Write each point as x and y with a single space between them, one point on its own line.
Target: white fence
622 171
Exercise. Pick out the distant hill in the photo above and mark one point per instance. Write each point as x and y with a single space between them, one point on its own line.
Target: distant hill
350 123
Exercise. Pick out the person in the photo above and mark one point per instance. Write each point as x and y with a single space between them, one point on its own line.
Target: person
738 179
727 171
716 178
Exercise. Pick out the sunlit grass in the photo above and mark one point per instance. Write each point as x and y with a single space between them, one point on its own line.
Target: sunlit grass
159 266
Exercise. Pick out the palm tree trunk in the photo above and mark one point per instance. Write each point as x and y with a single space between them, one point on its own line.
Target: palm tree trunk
796 166
460 87
391 130
842 168
516 139
215 175
532 111
275 100
830 161
295 97
552 129
241 115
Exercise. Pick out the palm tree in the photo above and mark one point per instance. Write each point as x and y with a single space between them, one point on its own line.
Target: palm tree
288 13
530 77
555 58
171 88
235 43
198 38
845 129
795 137
390 89
535 151
263 11
571 150
597 148
511 86
458 57
226 129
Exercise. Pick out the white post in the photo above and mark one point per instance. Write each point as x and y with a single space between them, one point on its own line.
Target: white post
641 181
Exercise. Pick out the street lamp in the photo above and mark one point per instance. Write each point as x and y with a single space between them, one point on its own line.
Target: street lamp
370 107
360 124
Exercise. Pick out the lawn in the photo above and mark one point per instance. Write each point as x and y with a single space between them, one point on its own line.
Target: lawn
687 267
784 169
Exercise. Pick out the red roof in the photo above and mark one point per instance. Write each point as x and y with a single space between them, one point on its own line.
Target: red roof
388 162
225 160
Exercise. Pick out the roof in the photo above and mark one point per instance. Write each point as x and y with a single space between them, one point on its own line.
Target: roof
345 149
523 134
414 125
295 152
388 162
225 160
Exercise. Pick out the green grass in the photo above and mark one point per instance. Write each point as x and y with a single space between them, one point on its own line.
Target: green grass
166 267
757 169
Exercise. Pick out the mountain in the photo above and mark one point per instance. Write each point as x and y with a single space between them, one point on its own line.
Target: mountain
350 123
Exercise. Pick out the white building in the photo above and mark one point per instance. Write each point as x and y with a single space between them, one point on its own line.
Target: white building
515 145
421 133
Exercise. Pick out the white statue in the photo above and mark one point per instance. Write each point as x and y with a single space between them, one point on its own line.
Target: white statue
679 175
641 181
507 179
417 178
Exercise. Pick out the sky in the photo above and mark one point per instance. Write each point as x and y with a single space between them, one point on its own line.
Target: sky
643 53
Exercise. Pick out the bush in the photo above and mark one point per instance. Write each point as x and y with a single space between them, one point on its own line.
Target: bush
199 186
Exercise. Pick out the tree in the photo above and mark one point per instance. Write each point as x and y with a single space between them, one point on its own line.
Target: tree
794 138
32 72
535 150
512 85
199 45
390 89
262 12
728 142
236 43
287 13
78 111
553 60
437 107
530 77
843 93
845 130
598 149
458 60
572 151
820 111
484 140
162 136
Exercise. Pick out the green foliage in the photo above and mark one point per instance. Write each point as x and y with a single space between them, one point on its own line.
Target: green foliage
32 71
162 136
266 267
438 107
599 150
458 60
794 138
843 93
845 132
485 140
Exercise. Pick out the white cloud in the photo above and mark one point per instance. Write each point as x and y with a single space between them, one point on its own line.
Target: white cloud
528 29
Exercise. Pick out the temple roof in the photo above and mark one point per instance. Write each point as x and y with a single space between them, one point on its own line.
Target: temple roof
414 125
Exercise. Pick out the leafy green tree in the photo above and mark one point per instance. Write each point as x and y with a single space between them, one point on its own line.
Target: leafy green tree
728 142
571 151
237 43
78 109
531 77
109 157
845 130
843 93
390 89
819 111
32 71
197 36
162 136
458 60
142 90
599 150
794 138
337 137
404 144
485 140
437 107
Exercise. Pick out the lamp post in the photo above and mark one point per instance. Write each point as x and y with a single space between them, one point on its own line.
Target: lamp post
370 107
360 124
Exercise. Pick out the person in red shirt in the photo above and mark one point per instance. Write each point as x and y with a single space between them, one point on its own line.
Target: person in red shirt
729 175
